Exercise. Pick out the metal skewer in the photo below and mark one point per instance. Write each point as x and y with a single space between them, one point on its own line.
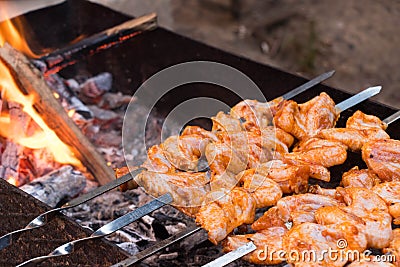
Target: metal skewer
107 229
47 216
308 85
232 256
392 118
44 218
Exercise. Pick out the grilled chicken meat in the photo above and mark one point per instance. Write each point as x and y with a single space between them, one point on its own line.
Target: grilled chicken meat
271 218
237 151
394 246
265 191
189 130
223 122
187 189
360 128
360 120
390 193
360 178
270 238
301 208
364 209
223 211
383 158
318 151
184 151
157 162
318 238
291 178
318 154
307 119
255 114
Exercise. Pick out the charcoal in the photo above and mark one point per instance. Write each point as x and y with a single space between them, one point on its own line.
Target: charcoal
94 87
114 100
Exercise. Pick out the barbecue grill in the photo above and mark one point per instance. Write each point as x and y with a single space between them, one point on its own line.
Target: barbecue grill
131 63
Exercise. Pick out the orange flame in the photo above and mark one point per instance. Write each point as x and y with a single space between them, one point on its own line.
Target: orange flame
12 181
10 34
44 138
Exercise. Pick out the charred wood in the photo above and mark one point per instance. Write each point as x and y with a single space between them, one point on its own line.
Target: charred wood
61 184
116 35
31 82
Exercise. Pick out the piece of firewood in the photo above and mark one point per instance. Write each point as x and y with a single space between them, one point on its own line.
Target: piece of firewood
10 160
61 58
31 82
13 156
61 184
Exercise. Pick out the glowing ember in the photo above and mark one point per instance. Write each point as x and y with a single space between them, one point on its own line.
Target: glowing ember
71 113
56 95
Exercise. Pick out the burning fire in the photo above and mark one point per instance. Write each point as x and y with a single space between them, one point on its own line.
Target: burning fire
43 137
12 181
10 34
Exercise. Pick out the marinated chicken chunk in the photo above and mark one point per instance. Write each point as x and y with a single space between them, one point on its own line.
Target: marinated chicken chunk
255 114
394 247
222 212
371 208
157 162
318 238
189 130
184 151
265 191
187 189
270 238
360 178
291 178
271 218
360 120
318 154
237 151
360 128
390 193
307 119
226 123
383 158
301 208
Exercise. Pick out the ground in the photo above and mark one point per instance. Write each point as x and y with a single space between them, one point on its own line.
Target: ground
359 39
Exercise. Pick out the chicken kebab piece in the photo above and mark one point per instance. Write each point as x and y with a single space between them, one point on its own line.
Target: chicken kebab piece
360 128
383 158
394 247
390 193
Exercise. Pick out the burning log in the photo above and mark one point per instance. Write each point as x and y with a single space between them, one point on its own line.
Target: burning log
67 56
31 82
13 155
61 184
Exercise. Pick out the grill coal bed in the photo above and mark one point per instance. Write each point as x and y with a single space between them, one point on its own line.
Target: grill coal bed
131 63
